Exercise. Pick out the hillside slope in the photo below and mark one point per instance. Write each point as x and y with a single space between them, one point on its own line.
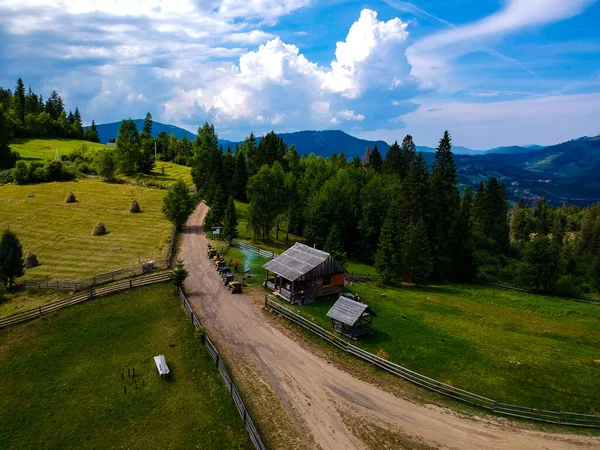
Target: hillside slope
107 131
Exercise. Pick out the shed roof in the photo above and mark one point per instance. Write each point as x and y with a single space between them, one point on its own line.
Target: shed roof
347 311
297 261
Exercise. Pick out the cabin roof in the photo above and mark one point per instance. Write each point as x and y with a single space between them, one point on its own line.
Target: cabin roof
297 261
347 311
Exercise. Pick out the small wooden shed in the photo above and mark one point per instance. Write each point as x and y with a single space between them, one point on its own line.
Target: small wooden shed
303 273
351 318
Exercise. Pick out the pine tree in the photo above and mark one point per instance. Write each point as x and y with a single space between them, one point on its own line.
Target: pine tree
334 245
91 134
19 101
240 177
148 124
389 255
541 263
230 222
416 191
393 161
8 158
179 274
11 259
418 262
463 267
407 155
366 159
541 216
207 165
445 202
375 160
518 222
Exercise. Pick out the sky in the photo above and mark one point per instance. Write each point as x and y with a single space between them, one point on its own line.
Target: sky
492 72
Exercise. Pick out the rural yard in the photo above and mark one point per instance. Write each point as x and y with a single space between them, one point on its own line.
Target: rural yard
302 400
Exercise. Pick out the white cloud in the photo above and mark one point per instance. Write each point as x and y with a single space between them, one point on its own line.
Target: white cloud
515 122
431 57
279 85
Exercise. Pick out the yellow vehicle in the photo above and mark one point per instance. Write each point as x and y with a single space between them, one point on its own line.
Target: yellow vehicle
235 287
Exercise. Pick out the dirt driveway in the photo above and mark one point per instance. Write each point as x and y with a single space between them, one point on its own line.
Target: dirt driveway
316 405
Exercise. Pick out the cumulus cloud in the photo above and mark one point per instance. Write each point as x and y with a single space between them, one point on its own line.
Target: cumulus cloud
279 85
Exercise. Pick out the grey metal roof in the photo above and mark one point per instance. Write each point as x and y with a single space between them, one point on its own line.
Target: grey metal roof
347 311
296 261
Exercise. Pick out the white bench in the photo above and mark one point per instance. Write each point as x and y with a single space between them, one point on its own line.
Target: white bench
161 365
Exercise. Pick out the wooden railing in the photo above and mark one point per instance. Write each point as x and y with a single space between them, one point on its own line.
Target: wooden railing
258 251
540 415
235 395
35 313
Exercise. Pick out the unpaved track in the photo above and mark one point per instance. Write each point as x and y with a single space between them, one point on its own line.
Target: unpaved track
321 399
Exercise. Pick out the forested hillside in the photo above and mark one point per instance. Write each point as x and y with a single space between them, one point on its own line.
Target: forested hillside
410 221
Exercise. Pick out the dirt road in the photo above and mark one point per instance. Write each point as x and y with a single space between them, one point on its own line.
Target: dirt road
324 406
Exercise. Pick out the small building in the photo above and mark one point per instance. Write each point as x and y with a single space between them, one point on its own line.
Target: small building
303 273
351 318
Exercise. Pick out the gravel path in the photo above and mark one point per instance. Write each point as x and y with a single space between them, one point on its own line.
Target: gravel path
317 404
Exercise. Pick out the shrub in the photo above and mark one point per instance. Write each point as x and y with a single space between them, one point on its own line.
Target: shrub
21 173
38 174
568 286
6 176
54 170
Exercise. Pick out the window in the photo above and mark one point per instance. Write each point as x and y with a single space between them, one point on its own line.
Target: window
327 280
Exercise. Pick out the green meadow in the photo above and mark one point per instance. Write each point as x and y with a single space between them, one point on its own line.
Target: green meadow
62 387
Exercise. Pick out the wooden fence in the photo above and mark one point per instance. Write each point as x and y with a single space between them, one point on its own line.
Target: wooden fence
35 313
540 415
76 286
258 251
235 395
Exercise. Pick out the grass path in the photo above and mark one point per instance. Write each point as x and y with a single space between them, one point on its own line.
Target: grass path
61 379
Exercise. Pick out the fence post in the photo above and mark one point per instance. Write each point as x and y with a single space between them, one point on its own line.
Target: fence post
40 311
494 406
218 359
245 416
130 284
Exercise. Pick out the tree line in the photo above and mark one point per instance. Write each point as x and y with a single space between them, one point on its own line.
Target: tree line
410 220
25 114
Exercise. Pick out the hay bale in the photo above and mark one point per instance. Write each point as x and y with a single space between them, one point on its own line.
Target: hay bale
70 198
134 208
31 261
99 229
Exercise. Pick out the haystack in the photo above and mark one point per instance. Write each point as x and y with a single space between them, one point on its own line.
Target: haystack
99 229
31 261
134 207
70 198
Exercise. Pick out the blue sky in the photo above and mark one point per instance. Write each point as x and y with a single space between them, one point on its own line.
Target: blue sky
493 72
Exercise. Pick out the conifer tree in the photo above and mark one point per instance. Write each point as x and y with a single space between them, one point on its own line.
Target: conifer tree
418 262
445 202
334 245
148 124
366 159
11 259
230 222
389 255
407 155
179 274
240 177
178 204
518 222
19 100
416 191
375 160
463 267
393 161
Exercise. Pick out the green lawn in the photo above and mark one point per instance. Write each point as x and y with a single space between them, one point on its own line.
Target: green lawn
61 379
45 149
516 348
60 234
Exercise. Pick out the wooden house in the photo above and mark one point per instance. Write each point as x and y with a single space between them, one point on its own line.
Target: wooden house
303 273
351 318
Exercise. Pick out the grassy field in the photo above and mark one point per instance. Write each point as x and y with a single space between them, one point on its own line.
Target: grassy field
60 234
45 149
512 347
61 379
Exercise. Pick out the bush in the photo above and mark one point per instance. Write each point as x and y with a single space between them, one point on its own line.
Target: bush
21 173
568 286
6 176
54 170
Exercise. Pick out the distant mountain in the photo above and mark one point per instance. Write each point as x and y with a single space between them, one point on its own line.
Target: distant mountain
325 143
456 149
566 172
107 131
514 149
